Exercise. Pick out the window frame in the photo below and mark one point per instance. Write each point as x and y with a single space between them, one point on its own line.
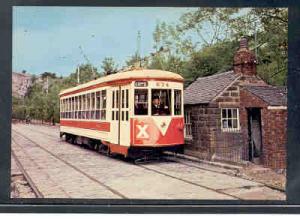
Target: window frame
174 102
147 101
232 118
171 97
188 132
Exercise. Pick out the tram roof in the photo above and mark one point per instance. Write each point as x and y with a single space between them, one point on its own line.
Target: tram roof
133 74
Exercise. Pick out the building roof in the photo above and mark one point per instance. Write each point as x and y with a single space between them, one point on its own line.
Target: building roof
134 74
205 89
274 96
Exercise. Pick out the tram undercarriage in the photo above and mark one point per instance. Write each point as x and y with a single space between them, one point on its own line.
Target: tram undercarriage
138 154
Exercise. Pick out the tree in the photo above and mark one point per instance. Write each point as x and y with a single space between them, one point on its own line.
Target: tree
87 73
48 74
200 34
133 60
109 66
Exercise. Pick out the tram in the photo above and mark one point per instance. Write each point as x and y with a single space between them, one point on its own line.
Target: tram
127 113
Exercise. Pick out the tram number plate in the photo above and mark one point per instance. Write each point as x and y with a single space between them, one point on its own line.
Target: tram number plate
162 84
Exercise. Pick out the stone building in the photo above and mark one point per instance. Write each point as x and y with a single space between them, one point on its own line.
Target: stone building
235 116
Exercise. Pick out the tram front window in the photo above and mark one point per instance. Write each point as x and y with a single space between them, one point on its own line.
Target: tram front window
141 102
161 102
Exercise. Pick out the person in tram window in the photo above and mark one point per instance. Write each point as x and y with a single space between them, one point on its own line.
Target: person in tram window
158 109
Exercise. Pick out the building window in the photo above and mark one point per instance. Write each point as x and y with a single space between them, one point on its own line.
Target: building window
187 125
230 119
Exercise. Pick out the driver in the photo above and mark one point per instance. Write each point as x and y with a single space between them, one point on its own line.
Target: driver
157 107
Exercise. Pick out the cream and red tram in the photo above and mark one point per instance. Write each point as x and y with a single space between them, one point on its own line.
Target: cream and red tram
118 112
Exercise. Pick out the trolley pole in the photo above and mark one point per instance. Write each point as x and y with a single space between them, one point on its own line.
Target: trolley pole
139 48
78 74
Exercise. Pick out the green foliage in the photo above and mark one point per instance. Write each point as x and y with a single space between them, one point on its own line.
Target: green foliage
205 40
210 60
42 105
109 66
18 108
201 44
48 74
133 60
87 72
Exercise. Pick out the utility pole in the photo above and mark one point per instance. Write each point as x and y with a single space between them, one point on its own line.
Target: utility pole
78 74
139 48
87 60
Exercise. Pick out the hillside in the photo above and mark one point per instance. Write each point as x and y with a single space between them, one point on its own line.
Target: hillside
20 84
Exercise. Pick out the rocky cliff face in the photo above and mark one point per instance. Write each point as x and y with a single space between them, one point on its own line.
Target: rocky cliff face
20 84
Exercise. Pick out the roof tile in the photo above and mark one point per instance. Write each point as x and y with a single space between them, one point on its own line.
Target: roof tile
204 89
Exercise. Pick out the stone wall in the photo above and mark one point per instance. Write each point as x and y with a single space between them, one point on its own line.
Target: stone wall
210 142
202 121
274 138
274 125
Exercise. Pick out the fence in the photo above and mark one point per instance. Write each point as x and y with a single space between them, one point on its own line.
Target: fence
230 154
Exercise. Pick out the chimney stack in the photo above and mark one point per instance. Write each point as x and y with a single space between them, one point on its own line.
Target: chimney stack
244 61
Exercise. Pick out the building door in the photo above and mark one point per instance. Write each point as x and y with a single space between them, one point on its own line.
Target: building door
254 133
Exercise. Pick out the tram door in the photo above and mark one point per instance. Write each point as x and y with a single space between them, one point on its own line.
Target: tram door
124 116
115 115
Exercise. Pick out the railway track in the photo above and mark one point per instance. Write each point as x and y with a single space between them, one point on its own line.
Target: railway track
142 166
27 177
68 164
189 182
183 162
139 165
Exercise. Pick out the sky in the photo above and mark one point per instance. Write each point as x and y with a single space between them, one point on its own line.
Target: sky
47 39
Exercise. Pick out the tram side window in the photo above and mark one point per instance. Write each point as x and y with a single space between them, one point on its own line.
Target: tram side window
68 107
127 99
98 105
123 98
92 109
88 109
79 107
65 108
103 105
72 107
117 99
177 102
161 102
113 106
83 106
141 102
